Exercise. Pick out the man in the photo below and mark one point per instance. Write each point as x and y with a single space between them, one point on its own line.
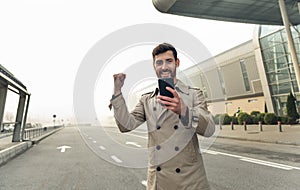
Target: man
239 110
175 161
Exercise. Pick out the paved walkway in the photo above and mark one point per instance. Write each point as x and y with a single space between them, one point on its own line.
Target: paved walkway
290 133
6 141
9 149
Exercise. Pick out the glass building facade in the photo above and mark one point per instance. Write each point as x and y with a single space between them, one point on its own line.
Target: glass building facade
278 65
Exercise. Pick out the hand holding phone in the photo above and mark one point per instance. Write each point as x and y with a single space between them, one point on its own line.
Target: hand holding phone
163 83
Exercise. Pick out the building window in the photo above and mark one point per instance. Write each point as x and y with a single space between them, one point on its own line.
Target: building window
221 81
252 100
245 75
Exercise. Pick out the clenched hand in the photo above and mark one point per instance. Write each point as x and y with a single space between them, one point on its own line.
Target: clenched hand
118 82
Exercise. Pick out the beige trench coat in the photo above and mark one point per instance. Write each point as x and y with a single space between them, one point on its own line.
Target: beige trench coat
175 161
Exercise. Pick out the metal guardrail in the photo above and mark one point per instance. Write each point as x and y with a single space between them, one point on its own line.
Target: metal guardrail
36 132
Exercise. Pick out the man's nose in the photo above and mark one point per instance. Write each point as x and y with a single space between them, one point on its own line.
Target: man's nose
164 65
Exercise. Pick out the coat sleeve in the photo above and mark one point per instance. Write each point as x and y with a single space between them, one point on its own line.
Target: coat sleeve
201 119
127 121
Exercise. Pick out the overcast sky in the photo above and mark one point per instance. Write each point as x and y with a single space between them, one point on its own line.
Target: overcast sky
43 42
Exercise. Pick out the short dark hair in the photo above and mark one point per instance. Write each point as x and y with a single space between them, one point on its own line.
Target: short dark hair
162 48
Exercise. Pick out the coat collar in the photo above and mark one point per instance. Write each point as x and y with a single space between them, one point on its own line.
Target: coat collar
181 87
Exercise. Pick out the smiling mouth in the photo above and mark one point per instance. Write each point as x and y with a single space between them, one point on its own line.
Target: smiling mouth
165 74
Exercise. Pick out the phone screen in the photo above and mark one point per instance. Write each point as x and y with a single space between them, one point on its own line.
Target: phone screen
163 83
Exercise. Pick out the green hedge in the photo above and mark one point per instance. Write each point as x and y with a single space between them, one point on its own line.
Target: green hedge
244 117
253 118
270 118
255 113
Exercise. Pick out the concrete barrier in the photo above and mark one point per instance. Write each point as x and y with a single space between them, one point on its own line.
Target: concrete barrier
20 147
13 151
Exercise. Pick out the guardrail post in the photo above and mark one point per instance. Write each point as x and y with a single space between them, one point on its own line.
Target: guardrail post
260 125
231 123
279 126
245 126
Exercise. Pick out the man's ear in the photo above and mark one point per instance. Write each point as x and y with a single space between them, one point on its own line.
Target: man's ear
177 63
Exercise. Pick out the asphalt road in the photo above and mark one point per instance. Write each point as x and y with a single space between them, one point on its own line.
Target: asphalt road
103 158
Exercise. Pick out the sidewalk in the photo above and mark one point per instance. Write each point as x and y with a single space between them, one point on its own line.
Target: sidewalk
290 134
9 149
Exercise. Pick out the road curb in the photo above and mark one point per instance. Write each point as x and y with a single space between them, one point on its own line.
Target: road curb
15 150
11 152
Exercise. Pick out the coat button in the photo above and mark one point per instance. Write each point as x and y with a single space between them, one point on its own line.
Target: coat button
158 147
176 148
177 170
158 127
154 108
158 169
175 127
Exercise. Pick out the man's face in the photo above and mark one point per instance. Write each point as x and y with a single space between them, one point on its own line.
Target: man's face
165 65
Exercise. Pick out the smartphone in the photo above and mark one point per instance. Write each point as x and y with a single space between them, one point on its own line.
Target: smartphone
163 83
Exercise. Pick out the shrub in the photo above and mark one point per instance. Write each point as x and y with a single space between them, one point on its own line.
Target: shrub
244 117
234 120
217 118
270 118
255 113
283 119
255 119
226 119
291 109
262 118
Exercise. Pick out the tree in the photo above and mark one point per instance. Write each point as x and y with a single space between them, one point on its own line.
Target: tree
291 109
9 117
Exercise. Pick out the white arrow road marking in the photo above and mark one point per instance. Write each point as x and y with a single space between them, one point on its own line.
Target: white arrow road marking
102 147
255 161
63 148
116 159
133 143
144 182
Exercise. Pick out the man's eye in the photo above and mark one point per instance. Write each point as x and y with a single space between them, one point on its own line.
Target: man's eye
158 63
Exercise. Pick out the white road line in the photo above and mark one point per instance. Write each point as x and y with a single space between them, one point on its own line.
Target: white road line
210 152
102 147
94 141
144 182
133 143
131 134
252 160
137 136
274 165
222 153
90 138
116 159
